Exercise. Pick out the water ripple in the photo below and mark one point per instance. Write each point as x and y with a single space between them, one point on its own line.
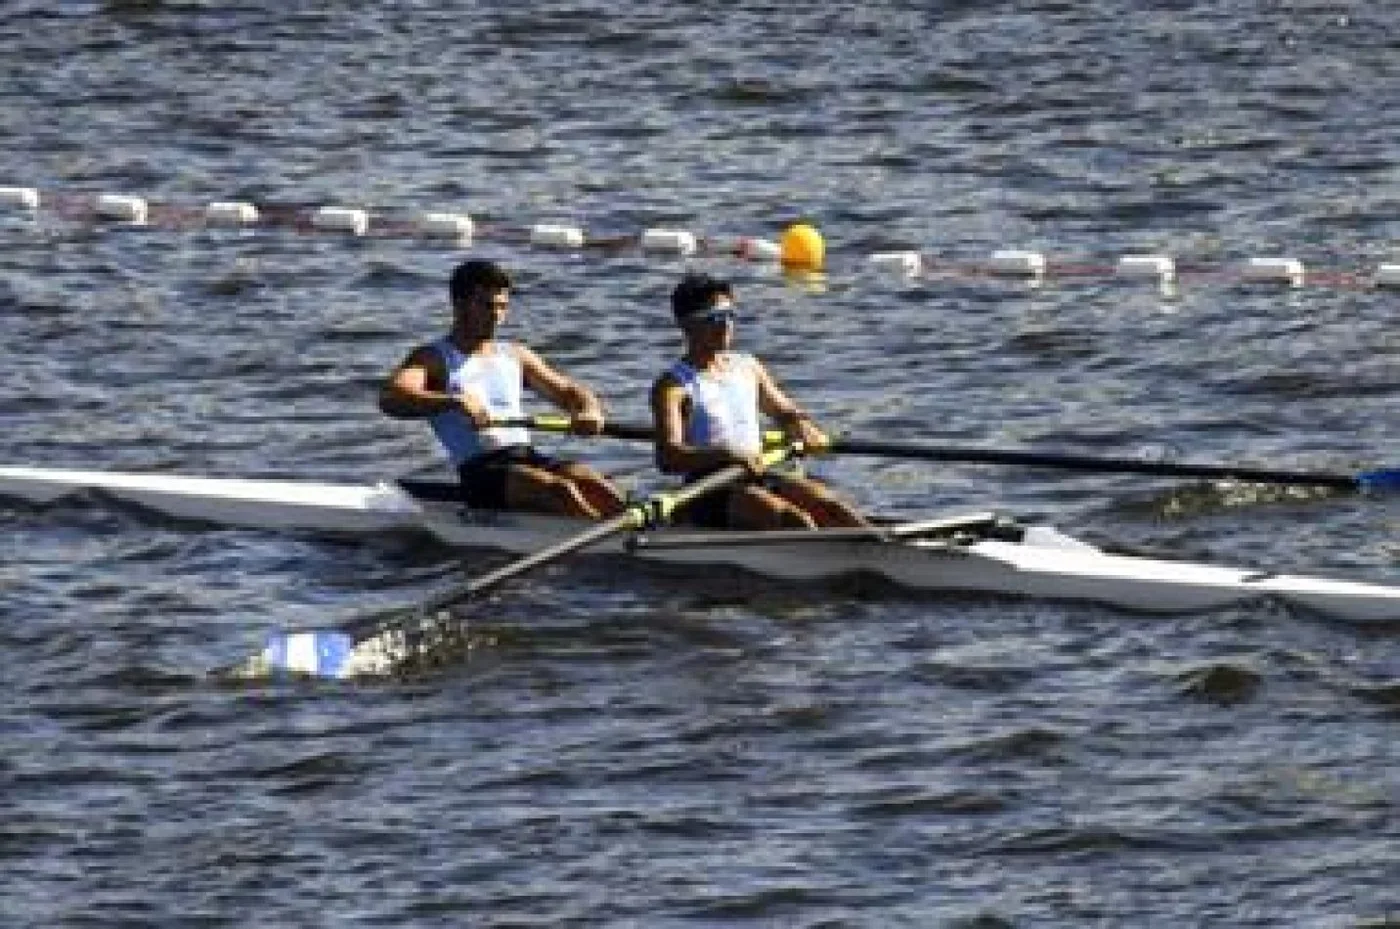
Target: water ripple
663 749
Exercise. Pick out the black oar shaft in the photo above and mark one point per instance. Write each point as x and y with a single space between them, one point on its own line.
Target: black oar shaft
1027 458
628 431
555 423
1090 463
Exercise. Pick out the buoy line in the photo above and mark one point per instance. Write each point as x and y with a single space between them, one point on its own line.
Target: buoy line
801 247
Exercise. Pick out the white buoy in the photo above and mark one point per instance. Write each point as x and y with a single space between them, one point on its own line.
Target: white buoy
1011 261
1388 276
456 226
121 207
341 219
1160 267
909 264
669 240
556 236
230 213
1275 269
19 198
758 250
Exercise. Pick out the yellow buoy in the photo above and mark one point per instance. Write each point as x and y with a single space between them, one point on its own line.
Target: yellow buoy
802 248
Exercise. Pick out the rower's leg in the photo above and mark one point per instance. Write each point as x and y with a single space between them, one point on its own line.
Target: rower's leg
756 507
600 492
825 507
532 488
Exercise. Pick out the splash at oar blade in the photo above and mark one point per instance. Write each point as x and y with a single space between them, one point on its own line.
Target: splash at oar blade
375 645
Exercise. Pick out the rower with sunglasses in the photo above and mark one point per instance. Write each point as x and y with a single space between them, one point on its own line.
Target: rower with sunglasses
707 407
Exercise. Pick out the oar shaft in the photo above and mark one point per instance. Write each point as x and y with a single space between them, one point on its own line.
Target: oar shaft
333 653
553 423
1026 458
1090 463
638 515
529 562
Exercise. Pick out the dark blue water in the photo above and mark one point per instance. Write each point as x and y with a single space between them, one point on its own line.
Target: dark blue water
639 750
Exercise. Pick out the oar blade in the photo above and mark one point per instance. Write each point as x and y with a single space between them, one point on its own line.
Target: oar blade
319 653
1383 481
374 645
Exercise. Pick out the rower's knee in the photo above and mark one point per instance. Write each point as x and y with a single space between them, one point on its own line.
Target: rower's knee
789 516
765 511
571 498
561 495
832 510
593 487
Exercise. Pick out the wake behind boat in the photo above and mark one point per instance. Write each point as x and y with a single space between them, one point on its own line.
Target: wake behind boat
970 553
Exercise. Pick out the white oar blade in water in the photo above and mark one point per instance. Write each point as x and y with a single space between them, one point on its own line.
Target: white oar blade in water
373 645
323 653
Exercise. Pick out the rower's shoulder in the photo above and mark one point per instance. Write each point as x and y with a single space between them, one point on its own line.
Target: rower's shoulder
424 353
667 390
442 350
668 377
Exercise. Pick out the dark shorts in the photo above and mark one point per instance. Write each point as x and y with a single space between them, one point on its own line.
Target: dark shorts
484 478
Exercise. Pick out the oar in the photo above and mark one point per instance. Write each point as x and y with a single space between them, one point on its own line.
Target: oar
1377 481
331 653
1380 480
550 422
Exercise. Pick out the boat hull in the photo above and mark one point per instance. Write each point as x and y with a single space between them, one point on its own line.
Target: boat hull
1044 563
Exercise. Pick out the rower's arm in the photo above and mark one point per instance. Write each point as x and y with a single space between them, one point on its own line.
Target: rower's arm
561 390
417 388
797 425
673 454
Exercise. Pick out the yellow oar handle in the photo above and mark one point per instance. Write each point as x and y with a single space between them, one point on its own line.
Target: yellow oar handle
553 422
549 422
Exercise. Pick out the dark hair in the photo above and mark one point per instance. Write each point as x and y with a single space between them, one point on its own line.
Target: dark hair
477 274
697 293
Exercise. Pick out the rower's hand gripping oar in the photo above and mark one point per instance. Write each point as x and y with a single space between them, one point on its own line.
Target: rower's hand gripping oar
1377 481
337 653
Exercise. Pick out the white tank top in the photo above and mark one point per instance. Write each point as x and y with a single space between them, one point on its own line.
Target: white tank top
493 379
723 403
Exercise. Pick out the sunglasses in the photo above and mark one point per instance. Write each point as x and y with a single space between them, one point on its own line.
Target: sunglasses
714 317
